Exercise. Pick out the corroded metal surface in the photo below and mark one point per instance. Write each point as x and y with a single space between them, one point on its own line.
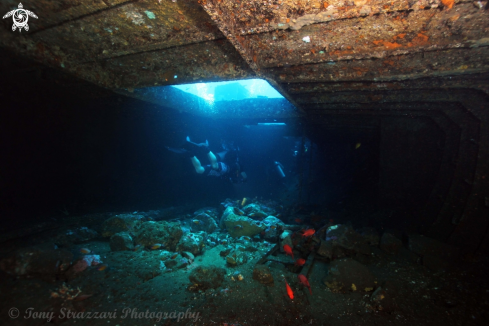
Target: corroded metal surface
409 66
133 28
207 61
479 81
377 36
109 42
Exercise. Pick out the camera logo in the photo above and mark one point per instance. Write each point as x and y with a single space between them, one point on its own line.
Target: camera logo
20 17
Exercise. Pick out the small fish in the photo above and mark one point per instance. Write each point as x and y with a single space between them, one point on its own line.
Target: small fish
288 251
252 215
156 246
273 227
331 220
357 146
173 256
85 251
300 262
303 280
298 220
197 221
138 247
224 242
102 267
237 211
263 232
289 290
243 202
82 297
308 233
238 227
246 238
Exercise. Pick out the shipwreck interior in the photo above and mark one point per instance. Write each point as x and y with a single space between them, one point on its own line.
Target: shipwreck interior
391 98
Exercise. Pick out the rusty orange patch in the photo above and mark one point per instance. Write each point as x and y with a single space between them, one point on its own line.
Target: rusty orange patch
448 3
388 45
399 36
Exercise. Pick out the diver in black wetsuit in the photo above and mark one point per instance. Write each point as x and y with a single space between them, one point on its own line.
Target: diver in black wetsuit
223 165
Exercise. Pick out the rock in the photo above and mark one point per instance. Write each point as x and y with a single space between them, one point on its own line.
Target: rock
326 249
349 275
239 226
183 262
192 243
207 277
254 211
171 263
236 257
370 235
189 256
120 223
435 254
347 239
262 274
225 252
84 262
43 262
273 227
121 241
384 297
390 244
207 222
168 234
72 236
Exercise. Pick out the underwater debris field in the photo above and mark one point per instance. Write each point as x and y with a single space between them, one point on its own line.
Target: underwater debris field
228 266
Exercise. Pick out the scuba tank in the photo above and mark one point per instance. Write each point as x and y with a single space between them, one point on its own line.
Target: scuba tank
279 168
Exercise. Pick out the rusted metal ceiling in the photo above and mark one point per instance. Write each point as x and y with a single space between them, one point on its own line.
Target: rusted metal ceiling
123 45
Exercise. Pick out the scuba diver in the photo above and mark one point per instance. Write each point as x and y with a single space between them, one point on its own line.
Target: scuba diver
224 165
276 173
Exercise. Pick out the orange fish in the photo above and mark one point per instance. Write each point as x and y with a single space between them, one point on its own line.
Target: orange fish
298 220
85 251
156 246
173 256
300 262
288 250
102 267
308 233
289 290
138 247
303 280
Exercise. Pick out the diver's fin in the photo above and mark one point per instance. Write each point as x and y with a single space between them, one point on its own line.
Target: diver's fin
201 148
206 144
177 150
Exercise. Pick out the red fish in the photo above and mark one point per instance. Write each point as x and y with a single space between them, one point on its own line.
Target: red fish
300 262
308 233
289 290
298 220
303 280
288 250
